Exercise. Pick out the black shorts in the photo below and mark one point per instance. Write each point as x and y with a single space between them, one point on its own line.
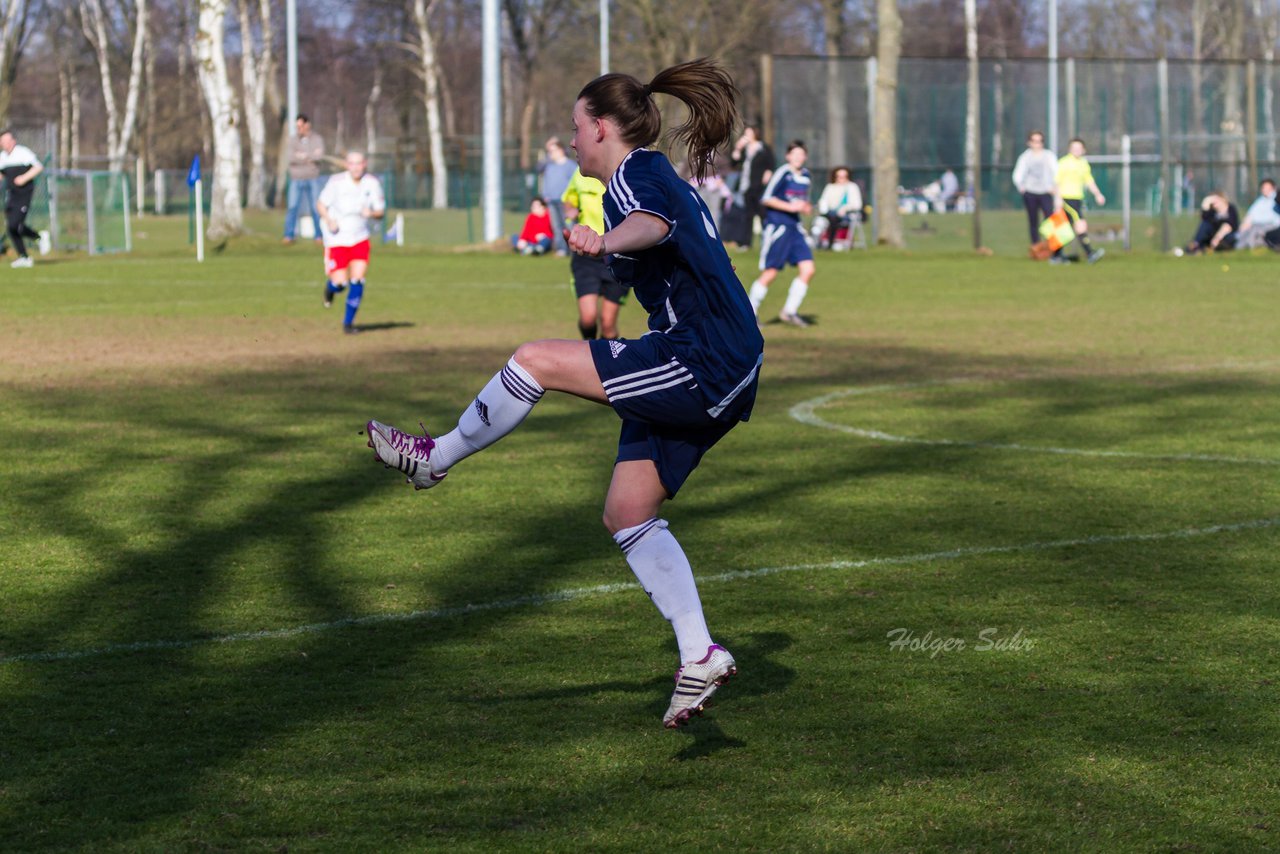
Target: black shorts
591 277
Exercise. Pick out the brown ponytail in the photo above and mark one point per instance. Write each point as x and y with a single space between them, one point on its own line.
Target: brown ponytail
705 88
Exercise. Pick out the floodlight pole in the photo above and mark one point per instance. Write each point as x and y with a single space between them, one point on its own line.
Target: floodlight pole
291 63
604 36
1053 76
491 88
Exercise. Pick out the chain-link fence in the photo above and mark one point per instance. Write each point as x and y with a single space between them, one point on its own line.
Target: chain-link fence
1196 126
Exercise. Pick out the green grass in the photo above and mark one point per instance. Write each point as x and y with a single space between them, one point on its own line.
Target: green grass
185 486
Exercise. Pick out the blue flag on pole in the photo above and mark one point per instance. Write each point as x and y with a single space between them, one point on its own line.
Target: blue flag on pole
193 174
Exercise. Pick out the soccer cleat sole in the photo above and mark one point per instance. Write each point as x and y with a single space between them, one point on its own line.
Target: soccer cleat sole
682 717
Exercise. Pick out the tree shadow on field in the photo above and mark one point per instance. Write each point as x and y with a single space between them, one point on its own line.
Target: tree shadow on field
165 532
179 538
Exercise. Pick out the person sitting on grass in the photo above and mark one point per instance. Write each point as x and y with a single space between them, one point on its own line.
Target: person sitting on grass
535 238
1219 225
1263 216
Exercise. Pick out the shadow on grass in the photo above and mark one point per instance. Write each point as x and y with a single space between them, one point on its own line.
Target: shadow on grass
121 748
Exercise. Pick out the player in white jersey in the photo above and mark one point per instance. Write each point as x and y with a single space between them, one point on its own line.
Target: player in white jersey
19 166
348 202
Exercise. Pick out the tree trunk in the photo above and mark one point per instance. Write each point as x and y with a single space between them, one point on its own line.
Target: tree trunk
225 216
431 100
255 68
11 26
371 113
833 15
885 144
973 120
119 127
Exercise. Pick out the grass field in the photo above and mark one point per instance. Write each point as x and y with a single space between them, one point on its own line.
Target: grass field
996 555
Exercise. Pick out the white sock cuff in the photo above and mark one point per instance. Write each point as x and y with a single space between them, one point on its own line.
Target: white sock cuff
628 538
520 383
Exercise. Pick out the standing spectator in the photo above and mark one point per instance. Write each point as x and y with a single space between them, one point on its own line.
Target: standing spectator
1074 177
839 207
1262 217
948 189
1035 175
557 171
678 389
1219 225
19 166
535 236
753 159
786 199
349 200
714 192
306 152
599 293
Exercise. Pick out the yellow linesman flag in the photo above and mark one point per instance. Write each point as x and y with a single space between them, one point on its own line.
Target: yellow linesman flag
1058 230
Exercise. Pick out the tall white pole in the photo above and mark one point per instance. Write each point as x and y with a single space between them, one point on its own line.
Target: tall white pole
1053 77
604 36
291 62
491 87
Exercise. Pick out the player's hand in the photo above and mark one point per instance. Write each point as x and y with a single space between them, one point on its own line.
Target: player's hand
583 240
1102 200
19 181
332 223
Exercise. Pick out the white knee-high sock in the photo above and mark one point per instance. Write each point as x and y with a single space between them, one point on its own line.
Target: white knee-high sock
757 294
664 572
795 296
496 411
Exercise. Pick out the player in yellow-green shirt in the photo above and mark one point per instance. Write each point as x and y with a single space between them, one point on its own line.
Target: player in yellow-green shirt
599 293
1074 177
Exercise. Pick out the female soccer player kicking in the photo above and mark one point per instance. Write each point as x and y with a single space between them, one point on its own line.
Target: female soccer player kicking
679 389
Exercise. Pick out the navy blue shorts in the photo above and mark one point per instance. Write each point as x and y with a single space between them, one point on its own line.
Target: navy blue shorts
782 245
664 417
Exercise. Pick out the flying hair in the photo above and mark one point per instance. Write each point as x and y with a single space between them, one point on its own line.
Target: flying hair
704 87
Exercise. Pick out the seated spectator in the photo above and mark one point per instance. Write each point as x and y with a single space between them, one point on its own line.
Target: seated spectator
838 208
535 238
1262 217
950 186
1219 225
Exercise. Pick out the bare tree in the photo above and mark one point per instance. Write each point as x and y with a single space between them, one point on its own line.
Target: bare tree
225 216
107 38
257 67
13 23
534 24
884 145
427 69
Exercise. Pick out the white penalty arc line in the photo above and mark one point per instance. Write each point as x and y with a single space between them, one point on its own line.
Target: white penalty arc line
806 413
576 593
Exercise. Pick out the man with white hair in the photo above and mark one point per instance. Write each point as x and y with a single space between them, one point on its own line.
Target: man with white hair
349 200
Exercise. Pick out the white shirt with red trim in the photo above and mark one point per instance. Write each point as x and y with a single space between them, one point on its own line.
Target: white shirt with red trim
346 199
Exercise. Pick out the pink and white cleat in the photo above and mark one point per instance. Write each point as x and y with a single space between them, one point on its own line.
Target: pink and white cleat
696 681
405 452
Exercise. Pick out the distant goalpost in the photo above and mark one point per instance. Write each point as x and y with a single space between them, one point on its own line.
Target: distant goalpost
89 210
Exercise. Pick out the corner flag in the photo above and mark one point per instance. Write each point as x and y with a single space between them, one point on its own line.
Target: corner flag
193 174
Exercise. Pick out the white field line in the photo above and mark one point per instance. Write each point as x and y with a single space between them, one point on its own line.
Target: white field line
572 594
806 413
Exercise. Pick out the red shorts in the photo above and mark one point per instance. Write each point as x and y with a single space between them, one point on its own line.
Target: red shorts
340 257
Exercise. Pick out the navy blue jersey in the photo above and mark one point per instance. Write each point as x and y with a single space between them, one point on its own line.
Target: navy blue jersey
687 283
787 185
